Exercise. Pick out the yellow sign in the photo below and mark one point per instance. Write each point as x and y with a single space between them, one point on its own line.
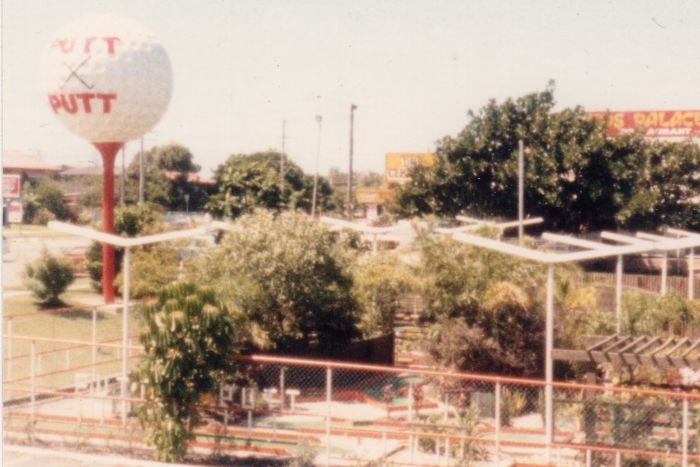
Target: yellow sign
399 164
378 196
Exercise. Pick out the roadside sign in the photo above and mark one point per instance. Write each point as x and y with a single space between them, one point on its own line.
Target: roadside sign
11 186
14 212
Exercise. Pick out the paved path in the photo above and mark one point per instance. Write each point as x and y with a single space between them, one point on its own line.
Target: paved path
24 456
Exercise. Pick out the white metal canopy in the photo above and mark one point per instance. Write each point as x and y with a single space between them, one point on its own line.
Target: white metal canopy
403 232
591 250
127 243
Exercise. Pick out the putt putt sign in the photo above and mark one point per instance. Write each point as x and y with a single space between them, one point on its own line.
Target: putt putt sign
108 81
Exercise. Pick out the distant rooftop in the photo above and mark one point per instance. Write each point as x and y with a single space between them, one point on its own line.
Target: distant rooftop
192 177
14 161
89 170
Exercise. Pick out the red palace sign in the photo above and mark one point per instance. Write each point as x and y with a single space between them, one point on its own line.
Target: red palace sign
654 123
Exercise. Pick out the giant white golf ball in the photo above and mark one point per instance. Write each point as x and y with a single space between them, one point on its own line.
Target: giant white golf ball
106 78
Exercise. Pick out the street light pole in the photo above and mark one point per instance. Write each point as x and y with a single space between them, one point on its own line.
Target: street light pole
141 173
352 123
521 190
318 156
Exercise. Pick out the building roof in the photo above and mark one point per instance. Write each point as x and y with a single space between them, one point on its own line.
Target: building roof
14 161
89 170
192 177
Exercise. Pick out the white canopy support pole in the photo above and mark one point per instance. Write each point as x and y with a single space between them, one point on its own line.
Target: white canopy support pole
618 294
125 330
664 263
664 273
549 365
691 259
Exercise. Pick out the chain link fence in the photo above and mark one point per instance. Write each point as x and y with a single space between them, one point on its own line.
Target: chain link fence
327 413
344 413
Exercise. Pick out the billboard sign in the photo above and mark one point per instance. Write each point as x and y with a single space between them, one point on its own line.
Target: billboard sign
653 123
11 186
397 165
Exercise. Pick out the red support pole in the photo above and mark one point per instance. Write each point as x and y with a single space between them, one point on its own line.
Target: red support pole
109 152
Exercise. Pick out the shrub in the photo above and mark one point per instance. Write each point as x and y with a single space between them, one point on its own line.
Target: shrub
43 201
381 281
48 277
288 279
658 314
152 268
188 352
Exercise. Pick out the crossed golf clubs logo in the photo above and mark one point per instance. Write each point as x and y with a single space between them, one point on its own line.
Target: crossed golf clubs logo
74 73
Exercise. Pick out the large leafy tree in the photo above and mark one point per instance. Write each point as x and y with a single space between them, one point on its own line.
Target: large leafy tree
381 281
577 177
43 201
286 280
665 187
166 171
485 308
250 181
174 157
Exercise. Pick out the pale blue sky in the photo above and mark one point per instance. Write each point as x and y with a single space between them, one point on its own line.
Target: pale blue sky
413 68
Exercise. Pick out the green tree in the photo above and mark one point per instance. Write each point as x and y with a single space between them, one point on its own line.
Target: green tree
188 351
43 201
174 157
577 177
381 281
665 187
488 301
247 182
48 277
166 182
152 268
651 314
129 221
155 182
287 279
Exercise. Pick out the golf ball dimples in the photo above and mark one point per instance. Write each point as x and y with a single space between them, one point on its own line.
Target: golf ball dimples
106 78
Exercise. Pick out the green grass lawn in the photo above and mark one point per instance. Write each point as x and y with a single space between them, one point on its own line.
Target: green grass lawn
27 319
79 294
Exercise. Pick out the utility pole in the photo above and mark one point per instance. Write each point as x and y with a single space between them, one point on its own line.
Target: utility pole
352 122
521 190
318 156
283 159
